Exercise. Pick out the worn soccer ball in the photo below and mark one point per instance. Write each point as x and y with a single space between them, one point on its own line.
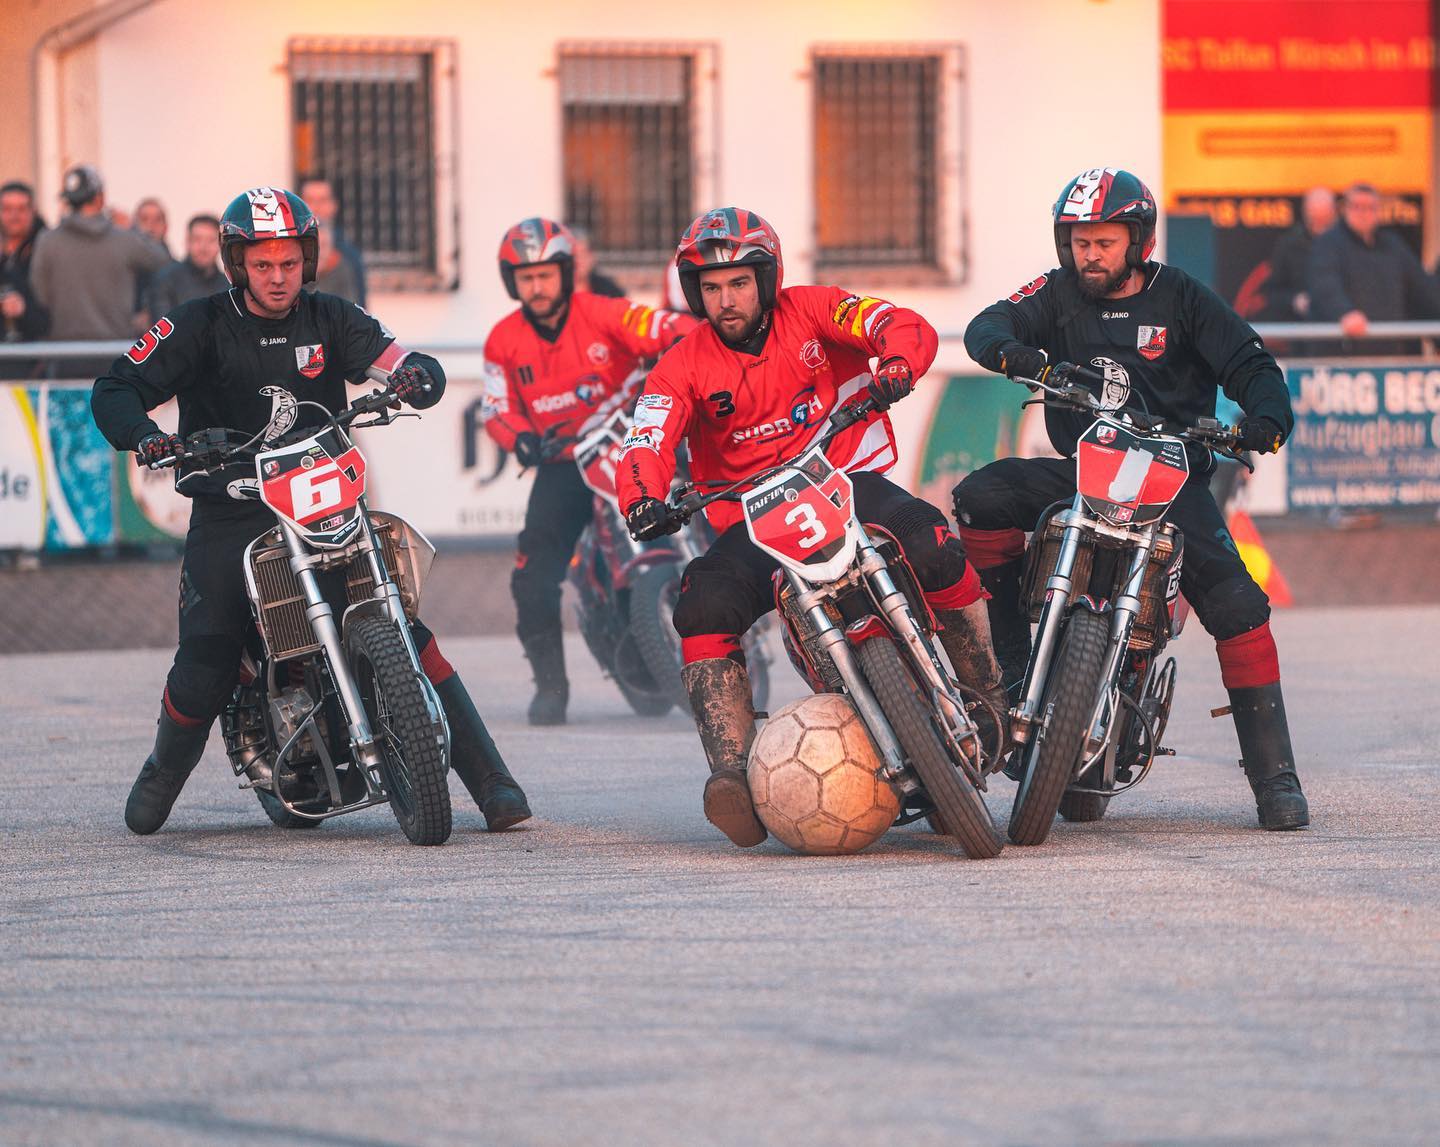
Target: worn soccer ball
812 775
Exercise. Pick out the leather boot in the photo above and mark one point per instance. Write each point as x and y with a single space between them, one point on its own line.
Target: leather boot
177 751
477 762
1009 622
1267 758
720 699
546 652
965 634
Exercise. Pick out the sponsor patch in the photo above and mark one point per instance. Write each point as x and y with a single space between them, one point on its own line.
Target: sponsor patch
598 353
643 438
655 402
842 312
812 354
650 416
1106 434
310 360
1029 289
1150 342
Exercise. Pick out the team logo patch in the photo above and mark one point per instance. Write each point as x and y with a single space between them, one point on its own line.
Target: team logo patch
1028 289
1106 434
598 353
812 354
1150 342
310 360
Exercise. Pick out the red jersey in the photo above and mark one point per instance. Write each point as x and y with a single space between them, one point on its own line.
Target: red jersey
534 383
742 412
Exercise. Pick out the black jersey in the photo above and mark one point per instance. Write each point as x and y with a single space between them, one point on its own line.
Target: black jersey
1172 344
229 368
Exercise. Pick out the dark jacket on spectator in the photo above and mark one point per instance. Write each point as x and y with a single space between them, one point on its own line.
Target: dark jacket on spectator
15 276
179 283
85 271
344 279
1385 281
1289 275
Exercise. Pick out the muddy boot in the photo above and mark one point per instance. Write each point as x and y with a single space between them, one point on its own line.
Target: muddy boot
478 763
1267 758
1009 623
965 634
719 692
177 751
546 652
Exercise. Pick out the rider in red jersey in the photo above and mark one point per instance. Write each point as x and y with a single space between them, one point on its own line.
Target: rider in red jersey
549 366
752 387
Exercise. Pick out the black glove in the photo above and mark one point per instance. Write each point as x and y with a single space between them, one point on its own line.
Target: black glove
893 381
1025 363
650 518
1261 435
157 446
528 449
410 383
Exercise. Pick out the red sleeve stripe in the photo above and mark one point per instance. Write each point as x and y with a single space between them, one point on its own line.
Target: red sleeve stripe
391 357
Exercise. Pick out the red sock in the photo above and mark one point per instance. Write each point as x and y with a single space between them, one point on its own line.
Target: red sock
1249 660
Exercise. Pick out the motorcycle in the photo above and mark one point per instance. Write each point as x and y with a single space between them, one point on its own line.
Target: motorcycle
855 621
1102 584
331 716
628 589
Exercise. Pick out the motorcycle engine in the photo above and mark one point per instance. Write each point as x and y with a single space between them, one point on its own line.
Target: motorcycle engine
247 740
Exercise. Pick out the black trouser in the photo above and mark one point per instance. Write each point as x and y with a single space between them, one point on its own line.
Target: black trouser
560 506
728 588
215 612
1013 492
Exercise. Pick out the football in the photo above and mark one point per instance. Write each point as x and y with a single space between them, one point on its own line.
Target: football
812 775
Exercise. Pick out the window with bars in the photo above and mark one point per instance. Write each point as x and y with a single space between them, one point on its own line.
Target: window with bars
633 134
371 118
881 122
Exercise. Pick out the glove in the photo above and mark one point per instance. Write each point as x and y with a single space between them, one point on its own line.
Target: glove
893 381
1261 435
650 518
410 383
528 449
155 447
1025 363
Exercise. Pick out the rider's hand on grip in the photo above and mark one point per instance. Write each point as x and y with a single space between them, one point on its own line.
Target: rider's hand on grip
893 380
410 383
650 518
156 447
529 450
1260 435
1025 364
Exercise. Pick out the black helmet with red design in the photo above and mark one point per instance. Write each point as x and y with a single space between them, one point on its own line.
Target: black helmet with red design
267 213
532 242
730 235
1106 195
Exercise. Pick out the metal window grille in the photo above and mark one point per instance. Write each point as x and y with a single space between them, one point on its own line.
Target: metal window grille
877 159
365 118
629 127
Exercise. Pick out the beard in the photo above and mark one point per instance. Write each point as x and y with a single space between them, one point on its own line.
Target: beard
747 332
1093 288
544 307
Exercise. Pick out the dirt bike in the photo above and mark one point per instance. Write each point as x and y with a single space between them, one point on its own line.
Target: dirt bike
1102 582
855 621
331 716
628 589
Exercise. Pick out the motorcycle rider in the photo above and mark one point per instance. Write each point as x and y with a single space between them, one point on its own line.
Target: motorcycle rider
242 359
549 366
750 388
1160 335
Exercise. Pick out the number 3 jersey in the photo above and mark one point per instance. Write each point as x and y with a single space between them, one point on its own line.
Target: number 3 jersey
228 368
742 411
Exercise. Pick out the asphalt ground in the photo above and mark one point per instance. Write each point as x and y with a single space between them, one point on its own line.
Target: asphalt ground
617 973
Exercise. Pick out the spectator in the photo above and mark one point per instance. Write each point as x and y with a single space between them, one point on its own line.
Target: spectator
1286 292
319 195
335 273
151 221
587 278
1360 274
196 276
85 270
24 318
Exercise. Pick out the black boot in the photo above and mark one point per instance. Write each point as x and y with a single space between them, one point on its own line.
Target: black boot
478 763
720 699
1009 622
1267 758
546 652
965 634
177 751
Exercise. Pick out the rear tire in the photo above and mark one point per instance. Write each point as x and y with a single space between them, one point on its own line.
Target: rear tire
412 761
652 604
959 803
1072 688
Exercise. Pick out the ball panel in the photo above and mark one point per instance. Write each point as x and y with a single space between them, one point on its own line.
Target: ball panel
822 750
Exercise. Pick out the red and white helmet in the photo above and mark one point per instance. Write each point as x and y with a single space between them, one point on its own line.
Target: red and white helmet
730 235
1106 195
267 213
534 241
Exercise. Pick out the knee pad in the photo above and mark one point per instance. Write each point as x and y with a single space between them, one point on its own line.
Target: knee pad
977 496
712 601
1232 607
936 555
203 676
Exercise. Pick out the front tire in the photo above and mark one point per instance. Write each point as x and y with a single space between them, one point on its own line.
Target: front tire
961 807
280 816
412 760
1070 700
